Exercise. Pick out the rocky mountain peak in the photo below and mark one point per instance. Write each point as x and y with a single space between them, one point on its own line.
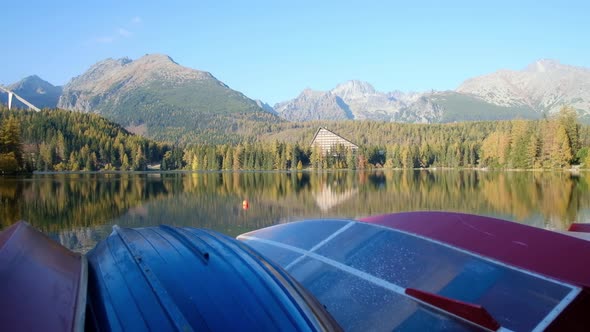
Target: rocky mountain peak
314 105
110 63
544 86
154 93
157 58
118 76
349 100
544 65
265 106
353 89
98 71
33 78
37 91
308 93
33 83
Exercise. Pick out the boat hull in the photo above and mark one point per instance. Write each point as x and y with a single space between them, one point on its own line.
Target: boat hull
168 278
377 278
43 284
545 252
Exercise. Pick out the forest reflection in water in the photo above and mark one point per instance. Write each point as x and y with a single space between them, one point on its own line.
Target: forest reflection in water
80 209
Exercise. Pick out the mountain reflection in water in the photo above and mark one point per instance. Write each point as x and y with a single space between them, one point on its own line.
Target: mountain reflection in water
79 209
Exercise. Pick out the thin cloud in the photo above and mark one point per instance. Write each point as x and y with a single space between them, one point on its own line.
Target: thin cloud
120 33
105 40
125 33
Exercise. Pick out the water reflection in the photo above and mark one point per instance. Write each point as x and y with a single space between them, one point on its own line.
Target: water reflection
327 198
79 209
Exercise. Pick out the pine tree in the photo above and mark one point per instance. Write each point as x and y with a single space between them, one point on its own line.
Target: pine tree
568 118
424 155
562 152
294 157
10 140
46 156
73 163
350 159
60 148
520 137
139 162
533 151
125 163
406 157
299 165
316 157
227 158
238 157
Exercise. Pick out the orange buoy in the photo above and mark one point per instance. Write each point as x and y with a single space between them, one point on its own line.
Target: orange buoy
245 205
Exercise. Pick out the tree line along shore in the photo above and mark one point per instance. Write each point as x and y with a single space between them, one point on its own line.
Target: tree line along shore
58 140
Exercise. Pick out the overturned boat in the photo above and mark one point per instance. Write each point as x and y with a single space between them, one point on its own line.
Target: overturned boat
42 284
436 271
168 278
405 271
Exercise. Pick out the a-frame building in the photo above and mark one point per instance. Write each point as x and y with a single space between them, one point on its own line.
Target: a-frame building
328 140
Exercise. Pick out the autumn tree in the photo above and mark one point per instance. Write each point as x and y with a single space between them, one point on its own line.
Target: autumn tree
568 118
11 155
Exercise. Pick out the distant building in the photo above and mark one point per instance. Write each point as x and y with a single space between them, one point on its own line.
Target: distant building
327 140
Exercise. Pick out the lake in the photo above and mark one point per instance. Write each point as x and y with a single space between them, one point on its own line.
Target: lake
79 210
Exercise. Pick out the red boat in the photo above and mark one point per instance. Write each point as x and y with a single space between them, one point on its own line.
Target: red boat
425 271
43 284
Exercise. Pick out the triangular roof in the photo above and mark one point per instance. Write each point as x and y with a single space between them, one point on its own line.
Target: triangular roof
331 132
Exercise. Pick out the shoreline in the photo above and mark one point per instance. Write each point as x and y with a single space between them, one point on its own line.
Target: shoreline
310 170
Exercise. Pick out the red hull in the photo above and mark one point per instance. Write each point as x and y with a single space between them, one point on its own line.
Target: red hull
577 227
43 284
552 254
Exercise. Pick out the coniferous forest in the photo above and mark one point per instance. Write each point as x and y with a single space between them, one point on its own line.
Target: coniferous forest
57 140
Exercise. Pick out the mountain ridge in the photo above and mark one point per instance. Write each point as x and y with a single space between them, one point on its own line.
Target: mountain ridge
155 96
36 91
541 88
544 86
158 98
124 74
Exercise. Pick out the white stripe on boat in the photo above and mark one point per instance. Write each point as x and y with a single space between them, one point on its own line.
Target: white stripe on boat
321 244
557 310
359 274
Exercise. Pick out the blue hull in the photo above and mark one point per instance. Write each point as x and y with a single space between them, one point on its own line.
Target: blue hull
167 278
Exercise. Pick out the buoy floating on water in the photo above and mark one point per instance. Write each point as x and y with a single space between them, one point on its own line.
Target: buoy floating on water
245 205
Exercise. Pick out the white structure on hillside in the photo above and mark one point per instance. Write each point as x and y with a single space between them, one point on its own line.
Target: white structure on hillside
11 94
328 140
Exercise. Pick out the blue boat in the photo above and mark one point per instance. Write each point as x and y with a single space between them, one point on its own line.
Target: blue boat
167 278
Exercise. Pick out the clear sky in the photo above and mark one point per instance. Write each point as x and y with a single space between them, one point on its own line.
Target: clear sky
271 50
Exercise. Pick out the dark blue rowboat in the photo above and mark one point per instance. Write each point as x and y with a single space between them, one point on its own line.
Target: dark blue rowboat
42 284
167 278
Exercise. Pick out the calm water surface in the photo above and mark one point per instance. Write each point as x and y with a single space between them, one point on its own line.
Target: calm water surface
80 209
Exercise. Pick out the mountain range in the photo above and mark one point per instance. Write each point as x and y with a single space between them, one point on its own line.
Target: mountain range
156 97
541 89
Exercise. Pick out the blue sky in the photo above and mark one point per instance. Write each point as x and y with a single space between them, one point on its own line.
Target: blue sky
271 50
